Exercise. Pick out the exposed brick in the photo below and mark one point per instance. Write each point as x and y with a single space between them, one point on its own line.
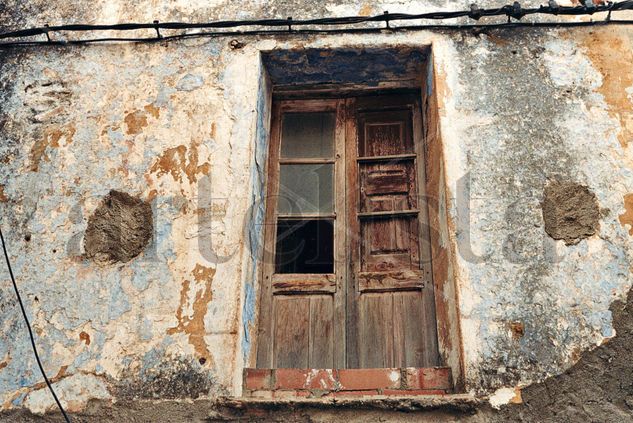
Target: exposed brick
257 379
428 378
352 393
412 378
411 392
434 378
291 378
359 379
324 379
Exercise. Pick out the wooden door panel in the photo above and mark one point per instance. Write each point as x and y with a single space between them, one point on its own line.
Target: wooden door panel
388 186
303 336
389 244
291 334
321 349
375 331
414 346
392 331
302 300
392 296
385 133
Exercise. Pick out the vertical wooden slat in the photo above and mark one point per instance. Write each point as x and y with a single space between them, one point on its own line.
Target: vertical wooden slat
376 331
291 332
429 318
340 237
423 204
400 341
321 354
353 235
265 329
420 339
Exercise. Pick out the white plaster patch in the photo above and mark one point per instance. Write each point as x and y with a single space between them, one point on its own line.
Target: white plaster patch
74 392
502 396
568 67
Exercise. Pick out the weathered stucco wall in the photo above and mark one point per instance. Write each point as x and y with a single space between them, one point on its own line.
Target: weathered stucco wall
182 126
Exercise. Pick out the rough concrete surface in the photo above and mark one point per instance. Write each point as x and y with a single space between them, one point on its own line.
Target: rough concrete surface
119 229
570 211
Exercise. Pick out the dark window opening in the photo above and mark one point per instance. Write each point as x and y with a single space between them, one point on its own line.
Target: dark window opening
305 246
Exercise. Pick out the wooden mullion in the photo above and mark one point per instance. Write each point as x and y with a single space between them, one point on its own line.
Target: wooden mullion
392 158
265 337
306 161
353 232
306 106
304 283
431 351
340 237
306 216
387 214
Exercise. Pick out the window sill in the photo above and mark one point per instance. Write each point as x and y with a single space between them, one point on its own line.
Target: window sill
339 384
463 403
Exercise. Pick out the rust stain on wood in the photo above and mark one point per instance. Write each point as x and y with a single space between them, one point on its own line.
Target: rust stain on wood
193 325
610 52
626 218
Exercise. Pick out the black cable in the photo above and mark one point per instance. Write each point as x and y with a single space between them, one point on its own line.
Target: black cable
28 325
278 33
514 11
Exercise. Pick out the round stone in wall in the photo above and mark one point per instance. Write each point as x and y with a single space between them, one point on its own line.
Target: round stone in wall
119 229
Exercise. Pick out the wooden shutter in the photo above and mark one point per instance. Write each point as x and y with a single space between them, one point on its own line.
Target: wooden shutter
391 321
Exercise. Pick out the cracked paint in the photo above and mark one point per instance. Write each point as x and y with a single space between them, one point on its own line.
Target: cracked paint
195 296
626 218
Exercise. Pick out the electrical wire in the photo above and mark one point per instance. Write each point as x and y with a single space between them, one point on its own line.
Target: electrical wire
28 325
514 11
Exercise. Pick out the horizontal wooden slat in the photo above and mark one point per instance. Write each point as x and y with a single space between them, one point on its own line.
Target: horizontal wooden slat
391 158
316 105
386 182
391 281
307 161
386 214
300 283
306 216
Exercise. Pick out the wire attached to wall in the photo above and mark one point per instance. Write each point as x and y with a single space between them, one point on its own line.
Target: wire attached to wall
28 325
294 26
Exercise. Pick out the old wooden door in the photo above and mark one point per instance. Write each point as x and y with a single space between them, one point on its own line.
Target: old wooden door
391 309
346 269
